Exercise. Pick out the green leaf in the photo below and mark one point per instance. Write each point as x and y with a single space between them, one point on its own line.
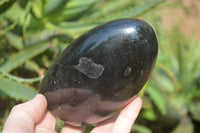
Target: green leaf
74 10
19 58
15 90
54 6
132 12
164 78
195 110
24 18
45 37
18 79
107 7
15 13
149 114
139 10
37 8
89 128
71 27
185 126
14 40
157 97
5 5
7 29
27 17
140 129
6 114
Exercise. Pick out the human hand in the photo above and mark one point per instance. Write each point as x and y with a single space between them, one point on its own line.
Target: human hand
33 117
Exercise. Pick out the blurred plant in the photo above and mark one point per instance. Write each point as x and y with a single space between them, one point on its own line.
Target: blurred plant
33 33
174 87
180 70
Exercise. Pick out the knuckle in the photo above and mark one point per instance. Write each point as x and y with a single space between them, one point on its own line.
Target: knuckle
16 108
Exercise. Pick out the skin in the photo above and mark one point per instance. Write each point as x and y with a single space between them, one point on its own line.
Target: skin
33 117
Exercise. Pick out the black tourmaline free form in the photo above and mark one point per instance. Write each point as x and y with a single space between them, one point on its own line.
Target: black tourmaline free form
101 71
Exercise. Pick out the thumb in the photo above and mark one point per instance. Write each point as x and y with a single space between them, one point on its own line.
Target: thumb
23 117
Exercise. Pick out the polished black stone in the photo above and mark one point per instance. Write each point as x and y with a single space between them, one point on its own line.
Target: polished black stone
101 71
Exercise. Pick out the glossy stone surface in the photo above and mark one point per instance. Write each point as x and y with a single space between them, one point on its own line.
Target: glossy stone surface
101 71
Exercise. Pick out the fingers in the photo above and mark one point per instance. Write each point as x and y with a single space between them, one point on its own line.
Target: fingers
70 129
47 124
123 122
127 117
23 117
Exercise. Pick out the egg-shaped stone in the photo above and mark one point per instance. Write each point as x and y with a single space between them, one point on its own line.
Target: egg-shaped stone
100 72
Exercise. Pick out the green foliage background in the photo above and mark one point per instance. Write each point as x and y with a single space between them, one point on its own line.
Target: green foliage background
33 33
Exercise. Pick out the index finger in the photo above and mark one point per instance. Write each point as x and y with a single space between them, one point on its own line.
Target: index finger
127 117
23 117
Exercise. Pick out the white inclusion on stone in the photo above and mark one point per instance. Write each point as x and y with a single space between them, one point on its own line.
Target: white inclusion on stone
89 68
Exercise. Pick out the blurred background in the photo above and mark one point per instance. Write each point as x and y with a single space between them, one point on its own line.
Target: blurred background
33 33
